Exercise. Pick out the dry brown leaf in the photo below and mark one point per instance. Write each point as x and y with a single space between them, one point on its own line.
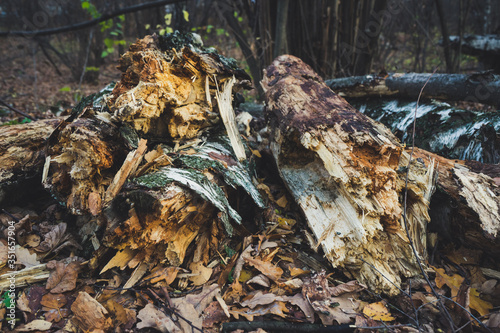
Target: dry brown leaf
277 308
378 311
191 316
213 314
261 280
294 283
24 257
259 298
151 317
202 273
53 301
32 240
241 261
56 315
23 302
35 325
420 298
123 317
341 309
160 273
303 304
494 321
282 201
204 298
349 287
295 271
488 287
482 307
452 281
56 239
234 293
265 267
62 276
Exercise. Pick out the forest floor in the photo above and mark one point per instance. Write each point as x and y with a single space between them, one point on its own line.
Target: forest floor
31 84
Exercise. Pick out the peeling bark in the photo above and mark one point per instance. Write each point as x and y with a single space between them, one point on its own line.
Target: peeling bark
466 207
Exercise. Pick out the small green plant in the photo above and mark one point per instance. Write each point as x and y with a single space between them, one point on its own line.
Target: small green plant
16 122
115 30
167 29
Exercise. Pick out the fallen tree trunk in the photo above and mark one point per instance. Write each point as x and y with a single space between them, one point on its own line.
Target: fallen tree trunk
485 47
346 173
479 88
465 210
22 157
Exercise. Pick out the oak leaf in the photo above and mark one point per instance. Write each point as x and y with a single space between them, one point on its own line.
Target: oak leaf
378 311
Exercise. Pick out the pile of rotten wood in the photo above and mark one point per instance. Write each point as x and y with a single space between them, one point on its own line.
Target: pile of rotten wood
157 163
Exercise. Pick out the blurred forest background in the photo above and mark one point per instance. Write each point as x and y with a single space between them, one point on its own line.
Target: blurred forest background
56 51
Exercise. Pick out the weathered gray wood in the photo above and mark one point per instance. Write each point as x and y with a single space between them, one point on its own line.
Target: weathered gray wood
480 88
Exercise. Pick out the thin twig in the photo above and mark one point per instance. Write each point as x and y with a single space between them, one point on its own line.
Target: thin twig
86 58
469 313
402 291
35 81
16 110
10 215
89 23
405 219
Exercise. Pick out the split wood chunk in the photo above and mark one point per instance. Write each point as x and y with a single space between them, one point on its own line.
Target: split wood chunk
169 92
161 223
89 314
347 173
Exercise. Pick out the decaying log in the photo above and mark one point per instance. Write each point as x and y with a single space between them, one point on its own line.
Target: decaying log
346 172
22 156
480 88
150 160
465 209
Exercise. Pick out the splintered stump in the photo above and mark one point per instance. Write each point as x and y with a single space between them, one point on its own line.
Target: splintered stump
150 162
347 173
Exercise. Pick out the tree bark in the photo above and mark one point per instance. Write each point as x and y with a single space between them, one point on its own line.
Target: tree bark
465 210
346 172
446 36
480 88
